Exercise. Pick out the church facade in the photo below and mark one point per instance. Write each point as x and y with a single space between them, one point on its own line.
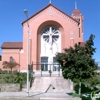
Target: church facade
44 34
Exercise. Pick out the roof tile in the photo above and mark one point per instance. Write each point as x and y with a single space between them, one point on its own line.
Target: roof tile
12 45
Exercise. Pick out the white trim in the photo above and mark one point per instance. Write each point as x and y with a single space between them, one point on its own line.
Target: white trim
23 71
71 38
30 38
22 51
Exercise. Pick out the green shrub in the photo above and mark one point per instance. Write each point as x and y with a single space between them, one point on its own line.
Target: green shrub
15 77
75 95
0 71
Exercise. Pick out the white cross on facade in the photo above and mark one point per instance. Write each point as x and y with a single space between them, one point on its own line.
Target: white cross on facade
50 34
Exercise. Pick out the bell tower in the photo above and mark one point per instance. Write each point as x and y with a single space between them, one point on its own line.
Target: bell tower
76 14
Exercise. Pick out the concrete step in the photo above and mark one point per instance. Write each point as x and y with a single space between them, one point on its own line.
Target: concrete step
51 85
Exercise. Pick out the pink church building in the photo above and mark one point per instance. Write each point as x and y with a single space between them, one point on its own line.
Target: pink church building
50 31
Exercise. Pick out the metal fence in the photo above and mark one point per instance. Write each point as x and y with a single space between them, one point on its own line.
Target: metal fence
48 69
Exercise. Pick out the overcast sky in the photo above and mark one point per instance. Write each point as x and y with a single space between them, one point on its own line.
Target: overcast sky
11 17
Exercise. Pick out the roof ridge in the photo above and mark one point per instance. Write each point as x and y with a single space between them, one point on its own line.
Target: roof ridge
12 45
47 7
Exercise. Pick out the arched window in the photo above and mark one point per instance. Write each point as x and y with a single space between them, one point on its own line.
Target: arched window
50 34
50 40
11 59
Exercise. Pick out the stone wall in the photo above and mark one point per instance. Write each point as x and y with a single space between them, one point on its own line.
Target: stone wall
9 87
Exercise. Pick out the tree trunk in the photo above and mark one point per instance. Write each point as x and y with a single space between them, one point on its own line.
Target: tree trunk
11 70
79 92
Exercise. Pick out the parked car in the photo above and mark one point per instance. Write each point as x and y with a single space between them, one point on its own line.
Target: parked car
90 96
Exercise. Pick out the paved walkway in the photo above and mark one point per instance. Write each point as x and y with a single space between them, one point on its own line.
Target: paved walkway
34 96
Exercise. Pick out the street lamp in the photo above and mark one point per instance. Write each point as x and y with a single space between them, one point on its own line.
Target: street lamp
28 64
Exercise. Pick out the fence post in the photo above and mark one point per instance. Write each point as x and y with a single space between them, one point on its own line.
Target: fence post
41 69
50 70
59 70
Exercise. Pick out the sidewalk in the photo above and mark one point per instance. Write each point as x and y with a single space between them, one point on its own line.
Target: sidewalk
35 96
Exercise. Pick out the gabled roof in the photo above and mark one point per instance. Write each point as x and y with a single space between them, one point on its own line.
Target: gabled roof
47 7
12 45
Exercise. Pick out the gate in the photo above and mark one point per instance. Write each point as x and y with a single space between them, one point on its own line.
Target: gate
48 69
